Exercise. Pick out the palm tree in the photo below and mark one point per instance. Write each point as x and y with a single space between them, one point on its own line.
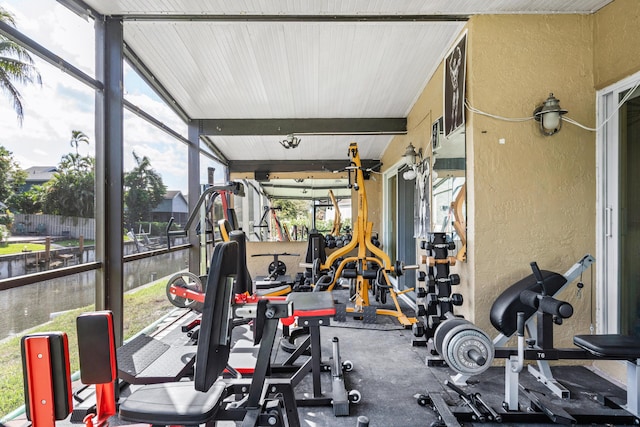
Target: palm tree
16 66
77 136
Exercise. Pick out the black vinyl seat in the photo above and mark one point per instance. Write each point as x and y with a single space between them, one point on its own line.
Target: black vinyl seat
610 345
196 402
173 404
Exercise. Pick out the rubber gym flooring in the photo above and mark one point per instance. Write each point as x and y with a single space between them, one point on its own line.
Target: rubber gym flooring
390 373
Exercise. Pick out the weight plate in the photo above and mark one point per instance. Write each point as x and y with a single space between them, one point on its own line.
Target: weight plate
459 349
443 329
280 268
185 280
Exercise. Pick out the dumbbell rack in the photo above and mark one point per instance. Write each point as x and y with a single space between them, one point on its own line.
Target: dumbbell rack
433 291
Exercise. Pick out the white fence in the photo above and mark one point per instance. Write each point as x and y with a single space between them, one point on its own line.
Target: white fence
53 225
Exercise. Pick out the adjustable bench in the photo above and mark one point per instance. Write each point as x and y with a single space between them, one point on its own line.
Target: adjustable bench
313 310
529 304
521 300
618 347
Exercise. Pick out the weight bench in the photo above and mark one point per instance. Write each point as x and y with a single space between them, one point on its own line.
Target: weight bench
313 310
550 311
529 305
618 347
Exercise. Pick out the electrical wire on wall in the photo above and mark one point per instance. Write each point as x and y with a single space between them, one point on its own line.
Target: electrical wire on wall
624 99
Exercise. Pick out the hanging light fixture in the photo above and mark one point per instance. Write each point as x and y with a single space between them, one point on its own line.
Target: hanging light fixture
411 158
291 141
549 116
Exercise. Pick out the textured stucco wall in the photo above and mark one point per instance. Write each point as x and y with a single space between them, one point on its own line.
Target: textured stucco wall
532 198
616 42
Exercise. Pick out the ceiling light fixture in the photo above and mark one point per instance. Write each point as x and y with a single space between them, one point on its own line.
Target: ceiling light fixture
291 141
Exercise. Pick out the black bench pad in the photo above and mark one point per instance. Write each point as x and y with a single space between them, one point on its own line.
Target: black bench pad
504 311
173 404
611 345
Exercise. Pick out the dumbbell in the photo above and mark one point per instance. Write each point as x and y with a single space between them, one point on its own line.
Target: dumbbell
432 261
421 309
421 291
453 279
455 299
400 268
428 245
433 321
418 329
330 241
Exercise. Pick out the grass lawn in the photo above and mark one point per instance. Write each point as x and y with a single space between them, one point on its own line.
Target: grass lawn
16 248
142 306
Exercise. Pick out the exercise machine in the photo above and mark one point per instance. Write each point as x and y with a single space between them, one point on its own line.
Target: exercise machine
311 310
370 268
281 232
276 272
256 401
529 306
204 212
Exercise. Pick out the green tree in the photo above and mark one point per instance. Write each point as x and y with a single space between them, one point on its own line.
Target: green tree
27 202
16 66
144 190
11 176
71 191
292 210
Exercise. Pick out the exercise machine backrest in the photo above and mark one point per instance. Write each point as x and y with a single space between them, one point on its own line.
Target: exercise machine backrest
243 278
504 311
315 248
47 377
214 340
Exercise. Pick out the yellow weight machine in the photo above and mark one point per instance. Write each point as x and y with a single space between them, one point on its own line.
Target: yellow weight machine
361 240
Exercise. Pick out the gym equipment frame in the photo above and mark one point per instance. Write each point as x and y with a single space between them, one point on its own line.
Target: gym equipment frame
363 275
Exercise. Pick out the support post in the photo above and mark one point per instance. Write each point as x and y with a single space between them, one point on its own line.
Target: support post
109 170
193 167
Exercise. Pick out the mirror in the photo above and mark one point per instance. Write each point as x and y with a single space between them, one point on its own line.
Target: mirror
288 209
448 186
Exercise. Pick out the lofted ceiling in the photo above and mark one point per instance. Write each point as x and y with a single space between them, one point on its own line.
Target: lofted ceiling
255 70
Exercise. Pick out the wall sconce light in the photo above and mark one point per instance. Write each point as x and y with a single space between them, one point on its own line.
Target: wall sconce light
549 115
411 159
291 141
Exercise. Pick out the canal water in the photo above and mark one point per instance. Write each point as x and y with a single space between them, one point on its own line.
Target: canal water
32 305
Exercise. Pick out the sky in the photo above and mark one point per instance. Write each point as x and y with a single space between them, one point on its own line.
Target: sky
63 104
